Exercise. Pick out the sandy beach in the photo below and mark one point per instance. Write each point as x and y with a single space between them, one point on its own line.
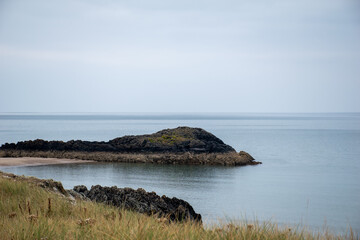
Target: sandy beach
38 161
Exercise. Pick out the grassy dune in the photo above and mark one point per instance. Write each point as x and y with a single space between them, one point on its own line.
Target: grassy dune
31 212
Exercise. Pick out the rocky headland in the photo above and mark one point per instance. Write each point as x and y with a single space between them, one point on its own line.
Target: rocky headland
171 209
139 200
182 145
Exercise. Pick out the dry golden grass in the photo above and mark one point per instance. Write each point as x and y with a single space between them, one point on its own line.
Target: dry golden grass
30 212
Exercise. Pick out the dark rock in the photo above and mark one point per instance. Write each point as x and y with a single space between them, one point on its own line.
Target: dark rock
141 201
177 140
182 145
81 190
76 195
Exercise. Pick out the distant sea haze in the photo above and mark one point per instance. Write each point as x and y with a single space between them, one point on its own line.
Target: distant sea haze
309 173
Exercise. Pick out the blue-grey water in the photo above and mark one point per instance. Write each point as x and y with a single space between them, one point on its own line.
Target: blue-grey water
309 176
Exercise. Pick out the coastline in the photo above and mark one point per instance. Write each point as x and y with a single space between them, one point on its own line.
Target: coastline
35 161
42 206
181 145
186 158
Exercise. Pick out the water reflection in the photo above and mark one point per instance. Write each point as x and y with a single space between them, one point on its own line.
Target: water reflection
310 173
285 193
171 180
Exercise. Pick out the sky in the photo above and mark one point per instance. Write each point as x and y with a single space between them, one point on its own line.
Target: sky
180 56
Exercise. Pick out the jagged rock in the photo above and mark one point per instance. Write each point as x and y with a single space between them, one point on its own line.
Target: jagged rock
79 191
141 201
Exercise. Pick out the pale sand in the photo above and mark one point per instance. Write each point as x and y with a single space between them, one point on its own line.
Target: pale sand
38 161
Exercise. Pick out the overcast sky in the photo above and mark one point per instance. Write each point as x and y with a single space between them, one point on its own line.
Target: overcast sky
180 56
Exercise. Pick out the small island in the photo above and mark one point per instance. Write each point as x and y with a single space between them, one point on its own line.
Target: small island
182 145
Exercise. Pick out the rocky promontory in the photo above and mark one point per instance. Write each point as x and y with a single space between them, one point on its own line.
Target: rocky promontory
171 209
139 200
182 145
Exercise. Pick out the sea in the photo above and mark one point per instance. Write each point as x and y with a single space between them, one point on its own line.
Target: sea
310 176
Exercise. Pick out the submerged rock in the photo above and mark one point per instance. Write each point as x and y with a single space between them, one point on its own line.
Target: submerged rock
141 201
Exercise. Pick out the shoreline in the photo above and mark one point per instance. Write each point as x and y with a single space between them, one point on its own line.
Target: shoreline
37 161
31 193
181 145
185 158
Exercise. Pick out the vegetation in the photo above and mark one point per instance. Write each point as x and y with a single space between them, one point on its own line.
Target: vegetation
168 139
187 140
182 145
228 159
28 211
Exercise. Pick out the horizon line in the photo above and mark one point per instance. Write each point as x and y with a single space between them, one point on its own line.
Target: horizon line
180 112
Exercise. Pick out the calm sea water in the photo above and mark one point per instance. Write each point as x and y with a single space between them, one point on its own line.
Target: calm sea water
309 176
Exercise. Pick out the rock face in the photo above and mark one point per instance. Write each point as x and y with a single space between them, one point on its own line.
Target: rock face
177 140
141 201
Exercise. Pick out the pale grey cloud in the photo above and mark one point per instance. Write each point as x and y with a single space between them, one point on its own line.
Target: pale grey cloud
180 55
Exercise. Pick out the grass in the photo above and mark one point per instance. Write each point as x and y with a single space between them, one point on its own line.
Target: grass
31 212
168 139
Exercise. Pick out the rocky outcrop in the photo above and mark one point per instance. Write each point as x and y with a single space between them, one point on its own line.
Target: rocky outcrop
182 145
177 140
141 201
173 209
